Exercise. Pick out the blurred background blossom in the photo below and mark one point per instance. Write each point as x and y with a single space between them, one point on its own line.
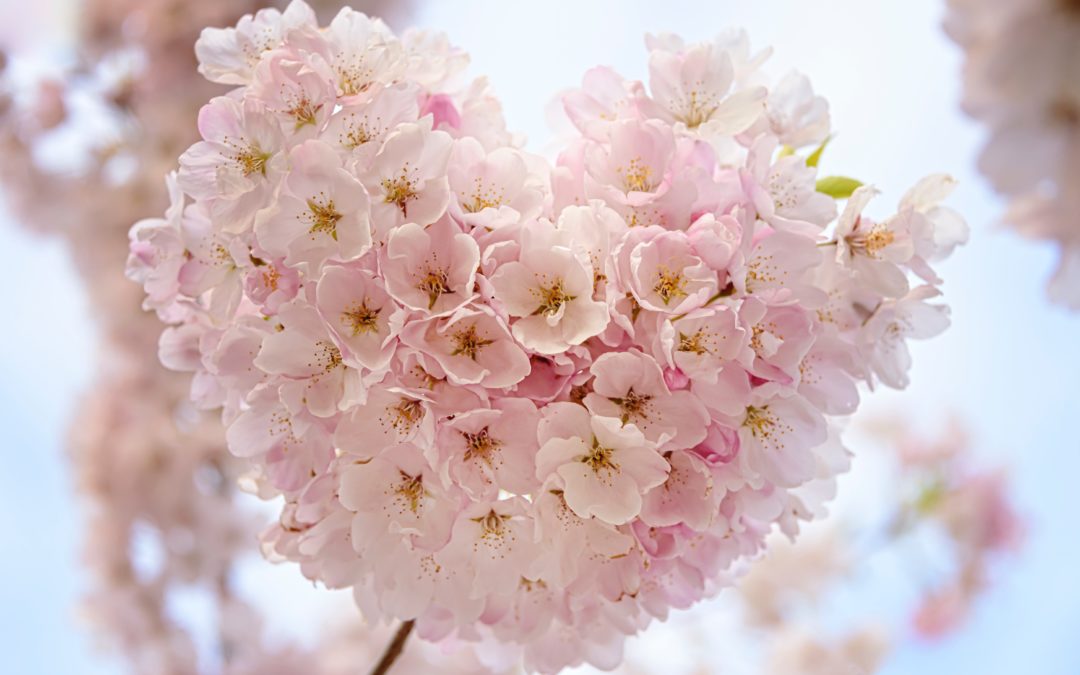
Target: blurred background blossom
99 98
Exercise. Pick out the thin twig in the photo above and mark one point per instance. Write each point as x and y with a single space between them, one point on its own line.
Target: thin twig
393 650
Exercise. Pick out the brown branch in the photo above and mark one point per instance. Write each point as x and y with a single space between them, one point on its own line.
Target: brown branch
393 650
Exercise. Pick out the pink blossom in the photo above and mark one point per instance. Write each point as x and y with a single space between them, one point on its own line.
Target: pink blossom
360 315
551 293
358 129
629 387
485 450
601 464
431 269
692 86
322 214
230 55
407 179
472 346
495 188
235 166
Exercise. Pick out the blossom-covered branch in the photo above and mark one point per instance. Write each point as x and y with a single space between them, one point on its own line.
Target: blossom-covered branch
525 405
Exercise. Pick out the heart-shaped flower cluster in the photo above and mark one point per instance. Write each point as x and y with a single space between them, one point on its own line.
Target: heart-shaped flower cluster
519 403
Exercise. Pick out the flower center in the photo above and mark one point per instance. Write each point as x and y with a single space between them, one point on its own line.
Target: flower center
637 176
871 243
354 78
760 422
552 298
492 525
411 490
599 458
322 216
327 356
769 430
482 198
634 405
480 445
400 190
250 158
468 343
362 319
697 110
435 283
405 415
303 110
694 343
669 285
271 277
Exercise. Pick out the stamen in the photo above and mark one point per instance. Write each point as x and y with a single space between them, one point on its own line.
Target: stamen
599 458
669 285
552 298
435 282
634 406
637 176
400 190
480 445
323 216
362 319
468 343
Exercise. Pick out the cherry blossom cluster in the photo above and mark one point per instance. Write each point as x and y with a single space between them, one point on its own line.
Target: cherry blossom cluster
1021 74
527 405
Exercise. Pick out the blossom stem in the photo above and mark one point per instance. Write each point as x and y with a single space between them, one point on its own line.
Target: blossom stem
393 650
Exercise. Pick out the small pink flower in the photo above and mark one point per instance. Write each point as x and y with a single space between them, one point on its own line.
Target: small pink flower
774 436
270 284
491 542
472 345
780 336
407 178
603 465
702 341
390 416
301 351
687 496
551 293
323 212
492 189
486 451
230 55
693 87
291 445
396 496
235 167
629 387
431 270
298 87
361 315
663 272
358 129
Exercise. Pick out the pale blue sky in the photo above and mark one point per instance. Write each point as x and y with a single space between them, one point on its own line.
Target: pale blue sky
1009 365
